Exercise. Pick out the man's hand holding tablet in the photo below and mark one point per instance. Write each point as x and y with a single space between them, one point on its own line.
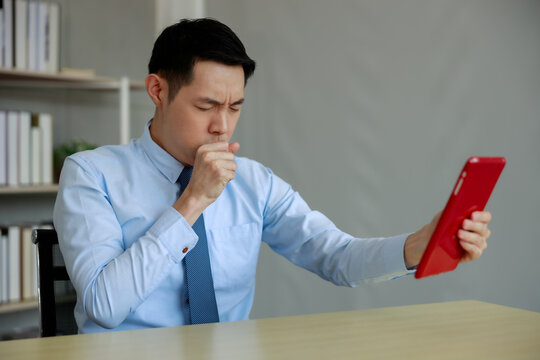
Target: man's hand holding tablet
459 232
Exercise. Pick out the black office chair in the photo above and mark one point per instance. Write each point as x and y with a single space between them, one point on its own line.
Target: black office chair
56 295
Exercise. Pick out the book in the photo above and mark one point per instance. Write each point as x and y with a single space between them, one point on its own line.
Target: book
8 33
46 126
32 43
27 265
42 35
35 157
12 148
1 34
24 148
88 73
21 34
33 32
14 264
3 265
53 43
3 148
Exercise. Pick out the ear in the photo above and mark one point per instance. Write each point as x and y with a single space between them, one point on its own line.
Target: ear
157 89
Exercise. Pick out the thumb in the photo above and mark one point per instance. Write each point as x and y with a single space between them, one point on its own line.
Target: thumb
437 217
234 147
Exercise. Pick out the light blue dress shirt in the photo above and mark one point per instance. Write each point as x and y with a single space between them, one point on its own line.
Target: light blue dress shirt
123 242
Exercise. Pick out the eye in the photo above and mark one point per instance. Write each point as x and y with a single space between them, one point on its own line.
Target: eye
203 108
234 109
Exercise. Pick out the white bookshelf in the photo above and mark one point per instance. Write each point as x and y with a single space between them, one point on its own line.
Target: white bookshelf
69 80
18 306
10 78
22 190
39 80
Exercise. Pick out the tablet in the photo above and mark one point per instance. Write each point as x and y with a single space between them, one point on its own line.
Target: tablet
471 193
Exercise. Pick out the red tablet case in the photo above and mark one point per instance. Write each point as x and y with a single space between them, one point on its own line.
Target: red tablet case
471 193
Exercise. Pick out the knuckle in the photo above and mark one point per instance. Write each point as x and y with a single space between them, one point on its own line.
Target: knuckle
214 165
201 150
478 238
478 252
205 156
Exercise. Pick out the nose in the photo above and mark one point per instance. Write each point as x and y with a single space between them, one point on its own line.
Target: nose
219 122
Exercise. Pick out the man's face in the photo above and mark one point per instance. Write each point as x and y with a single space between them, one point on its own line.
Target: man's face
205 111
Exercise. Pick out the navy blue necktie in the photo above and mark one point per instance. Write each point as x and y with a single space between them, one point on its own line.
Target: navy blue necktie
199 282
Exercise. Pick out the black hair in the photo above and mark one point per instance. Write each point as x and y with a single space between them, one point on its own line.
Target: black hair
181 45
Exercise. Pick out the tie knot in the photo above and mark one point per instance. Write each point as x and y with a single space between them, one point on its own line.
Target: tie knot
184 177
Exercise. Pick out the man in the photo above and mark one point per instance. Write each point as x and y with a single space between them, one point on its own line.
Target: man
129 217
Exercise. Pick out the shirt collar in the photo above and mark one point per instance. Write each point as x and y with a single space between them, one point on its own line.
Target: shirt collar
162 160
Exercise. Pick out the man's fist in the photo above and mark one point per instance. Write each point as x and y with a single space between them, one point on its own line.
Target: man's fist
213 168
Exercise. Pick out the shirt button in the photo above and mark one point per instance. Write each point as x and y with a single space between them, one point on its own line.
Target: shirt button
187 301
184 250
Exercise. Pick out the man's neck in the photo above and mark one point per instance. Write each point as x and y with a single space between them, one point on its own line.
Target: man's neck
155 131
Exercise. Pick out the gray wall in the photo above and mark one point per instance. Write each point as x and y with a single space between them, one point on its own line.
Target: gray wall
115 38
370 108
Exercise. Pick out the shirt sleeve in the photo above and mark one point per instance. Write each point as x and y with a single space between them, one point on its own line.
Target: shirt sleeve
310 240
110 279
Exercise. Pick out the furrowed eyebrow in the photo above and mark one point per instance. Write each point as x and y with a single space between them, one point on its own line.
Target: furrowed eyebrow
238 102
215 102
209 101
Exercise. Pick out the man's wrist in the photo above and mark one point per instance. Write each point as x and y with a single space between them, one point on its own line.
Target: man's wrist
410 251
190 207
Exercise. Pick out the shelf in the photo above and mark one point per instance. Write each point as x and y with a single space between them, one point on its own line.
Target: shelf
22 78
30 79
21 190
32 304
19 306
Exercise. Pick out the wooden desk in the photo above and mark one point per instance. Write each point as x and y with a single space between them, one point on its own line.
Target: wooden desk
452 330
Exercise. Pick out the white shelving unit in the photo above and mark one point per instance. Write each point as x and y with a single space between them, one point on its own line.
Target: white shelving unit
28 79
36 80
18 306
22 190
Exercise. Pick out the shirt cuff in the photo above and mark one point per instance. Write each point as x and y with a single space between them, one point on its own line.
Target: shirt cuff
174 233
395 259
